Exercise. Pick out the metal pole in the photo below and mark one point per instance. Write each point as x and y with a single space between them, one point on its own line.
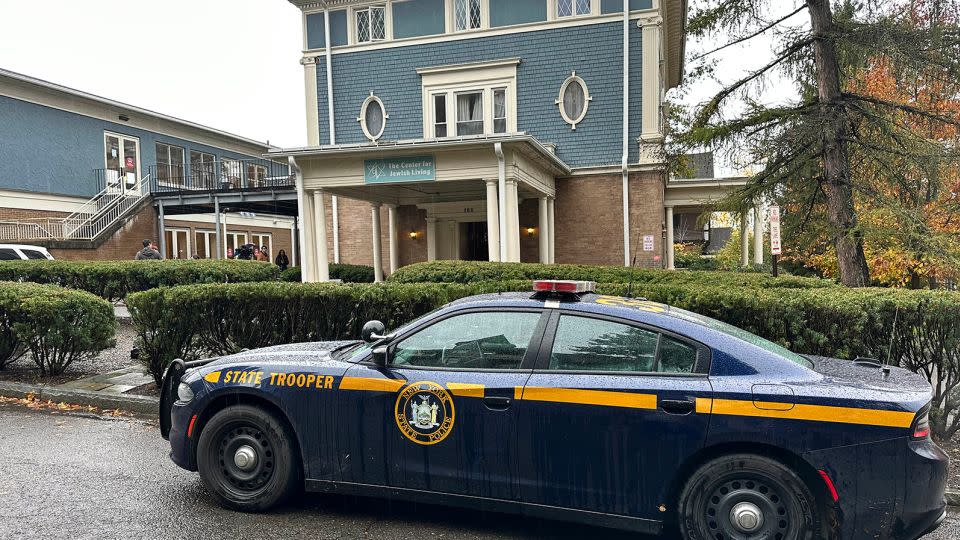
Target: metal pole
217 250
163 231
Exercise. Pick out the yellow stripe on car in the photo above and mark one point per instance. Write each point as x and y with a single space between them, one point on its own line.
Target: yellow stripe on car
371 384
212 377
587 397
466 389
816 413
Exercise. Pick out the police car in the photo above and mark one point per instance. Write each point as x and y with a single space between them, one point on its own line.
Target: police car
570 405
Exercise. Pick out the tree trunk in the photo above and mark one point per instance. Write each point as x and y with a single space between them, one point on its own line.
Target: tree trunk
847 238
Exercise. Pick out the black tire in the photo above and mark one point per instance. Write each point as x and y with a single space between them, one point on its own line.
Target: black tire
752 484
275 470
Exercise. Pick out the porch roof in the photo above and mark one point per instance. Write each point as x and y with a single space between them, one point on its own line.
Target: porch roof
699 192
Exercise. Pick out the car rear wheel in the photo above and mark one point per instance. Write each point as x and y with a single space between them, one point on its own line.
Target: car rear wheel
746 497
247 458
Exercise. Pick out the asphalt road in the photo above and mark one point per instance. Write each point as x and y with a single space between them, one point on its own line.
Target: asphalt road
79 477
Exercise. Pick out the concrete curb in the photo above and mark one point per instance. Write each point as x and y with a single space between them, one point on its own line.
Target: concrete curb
953 498
142 405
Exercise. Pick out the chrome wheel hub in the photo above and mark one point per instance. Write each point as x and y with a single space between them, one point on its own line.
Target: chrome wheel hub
245 458
746 517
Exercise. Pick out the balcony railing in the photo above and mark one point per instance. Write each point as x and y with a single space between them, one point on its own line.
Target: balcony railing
220 176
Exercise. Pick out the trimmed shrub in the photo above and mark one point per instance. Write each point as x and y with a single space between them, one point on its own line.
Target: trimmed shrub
58 326
348 273
472 272
11 347
113 280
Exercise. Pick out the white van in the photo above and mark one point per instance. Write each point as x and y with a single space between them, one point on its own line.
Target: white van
22 252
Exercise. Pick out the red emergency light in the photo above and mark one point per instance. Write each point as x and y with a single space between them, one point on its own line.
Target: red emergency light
563 286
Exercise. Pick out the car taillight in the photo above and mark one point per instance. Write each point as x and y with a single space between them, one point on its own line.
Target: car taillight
921 424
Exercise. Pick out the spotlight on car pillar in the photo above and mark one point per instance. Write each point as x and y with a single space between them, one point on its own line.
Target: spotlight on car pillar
372 331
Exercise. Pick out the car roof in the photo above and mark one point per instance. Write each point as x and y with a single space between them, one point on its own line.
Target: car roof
22 246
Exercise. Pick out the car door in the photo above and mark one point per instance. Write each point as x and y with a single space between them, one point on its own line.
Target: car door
441 414
609 414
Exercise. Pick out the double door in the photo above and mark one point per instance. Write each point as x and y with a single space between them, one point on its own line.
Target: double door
122 162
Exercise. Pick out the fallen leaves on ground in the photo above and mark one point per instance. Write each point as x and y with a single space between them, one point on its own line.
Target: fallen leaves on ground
31 402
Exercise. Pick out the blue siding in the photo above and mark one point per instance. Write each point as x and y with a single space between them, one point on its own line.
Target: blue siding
338 27
46 150
613 6
507 12
316 38
418 18
548 57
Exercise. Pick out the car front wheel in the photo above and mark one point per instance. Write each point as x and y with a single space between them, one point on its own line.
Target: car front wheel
741 497
247 458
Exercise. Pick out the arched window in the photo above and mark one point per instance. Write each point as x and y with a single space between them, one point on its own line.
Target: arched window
373 117
574 100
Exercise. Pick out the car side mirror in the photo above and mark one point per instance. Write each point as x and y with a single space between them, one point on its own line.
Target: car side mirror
380 356
372 331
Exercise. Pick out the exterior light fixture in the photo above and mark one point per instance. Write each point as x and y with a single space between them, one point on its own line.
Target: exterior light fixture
530 231
124 118
414 235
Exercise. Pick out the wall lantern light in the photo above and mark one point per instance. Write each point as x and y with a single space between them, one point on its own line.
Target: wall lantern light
531 231
414 235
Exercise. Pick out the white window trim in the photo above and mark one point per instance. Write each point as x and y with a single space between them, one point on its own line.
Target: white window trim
183 165
587 98
552 11
463 78
387 23
451 17
363 117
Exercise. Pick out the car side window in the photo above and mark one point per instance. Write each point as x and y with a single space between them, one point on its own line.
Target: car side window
586 344
7 254
676 356
33 254
482 340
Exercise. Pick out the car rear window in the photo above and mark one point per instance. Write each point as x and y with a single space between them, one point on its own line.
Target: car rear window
7 254
33 254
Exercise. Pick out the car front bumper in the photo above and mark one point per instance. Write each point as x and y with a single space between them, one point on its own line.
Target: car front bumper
181 445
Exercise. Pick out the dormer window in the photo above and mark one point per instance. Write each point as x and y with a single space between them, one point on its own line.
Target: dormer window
371 24
572 8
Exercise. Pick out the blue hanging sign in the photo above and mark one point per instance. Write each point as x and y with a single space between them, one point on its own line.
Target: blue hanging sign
401 169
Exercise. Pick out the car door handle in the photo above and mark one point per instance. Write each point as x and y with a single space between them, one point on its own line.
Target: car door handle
497 403
677 406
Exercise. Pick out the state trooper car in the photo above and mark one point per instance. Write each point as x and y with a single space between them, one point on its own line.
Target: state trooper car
570 405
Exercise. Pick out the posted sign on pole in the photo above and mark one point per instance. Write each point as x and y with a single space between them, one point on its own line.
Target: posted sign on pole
775 248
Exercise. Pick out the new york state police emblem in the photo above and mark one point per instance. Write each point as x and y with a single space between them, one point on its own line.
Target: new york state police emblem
424 412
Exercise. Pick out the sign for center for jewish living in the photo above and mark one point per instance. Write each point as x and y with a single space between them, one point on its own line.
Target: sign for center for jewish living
401 169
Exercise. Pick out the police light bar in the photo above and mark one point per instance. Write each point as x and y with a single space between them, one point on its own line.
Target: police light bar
563 286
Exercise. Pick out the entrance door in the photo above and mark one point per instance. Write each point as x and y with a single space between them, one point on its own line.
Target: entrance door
122 155
264 240
441 415
178 244
473 241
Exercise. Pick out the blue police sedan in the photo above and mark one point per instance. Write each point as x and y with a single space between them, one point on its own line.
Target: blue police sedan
570 405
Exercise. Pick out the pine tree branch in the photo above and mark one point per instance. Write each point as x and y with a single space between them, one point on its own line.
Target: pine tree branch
902 107
750 36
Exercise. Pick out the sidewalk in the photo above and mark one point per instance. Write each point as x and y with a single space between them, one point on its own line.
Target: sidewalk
104 391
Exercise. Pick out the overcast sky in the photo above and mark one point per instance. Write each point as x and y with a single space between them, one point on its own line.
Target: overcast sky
230 64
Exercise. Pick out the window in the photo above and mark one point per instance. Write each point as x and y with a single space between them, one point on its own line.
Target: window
574 100
470 113
373 117
587 344
34 254
7 254
205 243
569 8
371 24
230 174
499 110
202 169
170 164
440 115
264 242
493 340
466 14
256 175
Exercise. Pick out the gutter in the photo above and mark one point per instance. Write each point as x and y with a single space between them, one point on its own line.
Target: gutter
501 199
332 128
625 176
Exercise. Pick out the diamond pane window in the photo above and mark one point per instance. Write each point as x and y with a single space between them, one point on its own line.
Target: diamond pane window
363 26
583 7
371 24
466 14
564 8
499 110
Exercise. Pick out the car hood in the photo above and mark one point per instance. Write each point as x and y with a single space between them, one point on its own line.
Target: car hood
310 352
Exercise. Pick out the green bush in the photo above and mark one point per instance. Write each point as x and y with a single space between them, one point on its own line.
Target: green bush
115 279
473 272
348 273
58 326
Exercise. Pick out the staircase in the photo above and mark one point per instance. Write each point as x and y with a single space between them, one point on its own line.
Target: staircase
91 220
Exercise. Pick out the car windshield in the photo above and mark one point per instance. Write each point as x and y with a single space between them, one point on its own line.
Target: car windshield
742 334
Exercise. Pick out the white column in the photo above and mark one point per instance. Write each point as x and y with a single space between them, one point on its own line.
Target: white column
163 231
744 240
320 239
544 232
336 228
670 248
512 236
552 227
392 227
377 248
493 222
431 239
217 252
293 242
651 86
758 234
224 246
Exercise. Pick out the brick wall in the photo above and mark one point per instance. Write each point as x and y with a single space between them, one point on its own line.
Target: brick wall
17 214
122 245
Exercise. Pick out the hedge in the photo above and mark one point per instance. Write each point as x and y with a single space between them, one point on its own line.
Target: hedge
473 272
58 326
348 273
113 280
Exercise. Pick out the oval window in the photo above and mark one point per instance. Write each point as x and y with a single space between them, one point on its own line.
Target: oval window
574 100
373 117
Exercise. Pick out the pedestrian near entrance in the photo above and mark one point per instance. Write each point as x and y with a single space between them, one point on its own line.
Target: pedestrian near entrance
282 260
263 255
149 252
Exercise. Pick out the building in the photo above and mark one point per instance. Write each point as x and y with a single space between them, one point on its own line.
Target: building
502 130
91 178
